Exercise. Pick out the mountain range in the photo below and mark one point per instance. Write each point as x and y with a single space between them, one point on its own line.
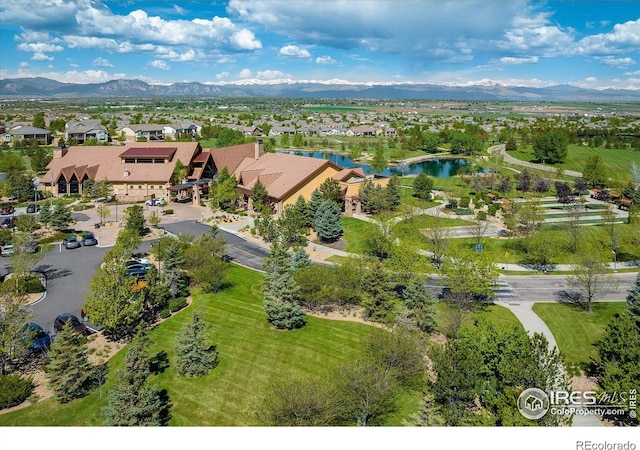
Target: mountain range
44 87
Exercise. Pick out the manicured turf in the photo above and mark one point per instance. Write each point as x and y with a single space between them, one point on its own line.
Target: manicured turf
252 354
495 314
617 160
355 231
576 330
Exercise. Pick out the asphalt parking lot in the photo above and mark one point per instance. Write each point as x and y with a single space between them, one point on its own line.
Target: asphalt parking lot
69 271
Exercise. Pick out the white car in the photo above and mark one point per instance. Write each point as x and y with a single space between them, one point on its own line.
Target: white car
7 250
155 202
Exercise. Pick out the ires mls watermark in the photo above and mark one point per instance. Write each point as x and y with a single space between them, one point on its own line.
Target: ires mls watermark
534 403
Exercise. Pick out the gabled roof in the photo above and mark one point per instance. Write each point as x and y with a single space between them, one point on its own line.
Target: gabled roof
24 130
109 164
345 174
231 157
280 173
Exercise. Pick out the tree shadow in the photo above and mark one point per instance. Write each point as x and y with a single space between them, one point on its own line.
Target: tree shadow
159 362
570 297
165 411
51 272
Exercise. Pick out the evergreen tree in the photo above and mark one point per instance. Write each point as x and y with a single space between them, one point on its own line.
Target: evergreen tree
172 262
328 221
394 193
633 301
302 211
132 400
378 301
266 225
331 190
68 370
291 226
422 186
314 204
194 356
60 216
44 216
259 196
420 304
134 219
281 292
300 259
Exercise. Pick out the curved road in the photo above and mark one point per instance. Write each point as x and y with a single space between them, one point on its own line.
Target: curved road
511 160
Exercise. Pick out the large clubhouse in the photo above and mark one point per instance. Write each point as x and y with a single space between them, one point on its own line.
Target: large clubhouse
142 170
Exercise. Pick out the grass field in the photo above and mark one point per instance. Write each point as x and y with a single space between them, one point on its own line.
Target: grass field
495 314
576 330
616 160
252 354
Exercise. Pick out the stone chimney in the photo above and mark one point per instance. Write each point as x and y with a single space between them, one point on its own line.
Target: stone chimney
259 149
59 152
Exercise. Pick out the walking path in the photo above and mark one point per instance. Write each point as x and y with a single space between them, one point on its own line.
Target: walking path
518 162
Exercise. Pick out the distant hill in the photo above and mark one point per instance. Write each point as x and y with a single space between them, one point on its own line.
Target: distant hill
44 87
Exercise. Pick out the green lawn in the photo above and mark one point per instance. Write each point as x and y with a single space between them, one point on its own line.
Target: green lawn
355 231
252 354
495 314
576 330
616 160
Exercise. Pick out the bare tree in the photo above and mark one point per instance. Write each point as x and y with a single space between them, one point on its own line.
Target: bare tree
573 224
478 230
439 239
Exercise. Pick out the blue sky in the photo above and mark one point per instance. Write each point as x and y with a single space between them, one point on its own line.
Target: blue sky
593 44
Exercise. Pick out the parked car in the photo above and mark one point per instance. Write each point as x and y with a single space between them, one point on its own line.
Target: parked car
32 247
144 262
71 242
7 250
7 210
137 271
155 202
62 319
40 339
89 239
7 223
33 208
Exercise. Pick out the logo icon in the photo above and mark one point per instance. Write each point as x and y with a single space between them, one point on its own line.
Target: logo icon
533 403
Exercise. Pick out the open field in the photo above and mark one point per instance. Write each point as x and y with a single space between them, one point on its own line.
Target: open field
617 160
576 330
252 354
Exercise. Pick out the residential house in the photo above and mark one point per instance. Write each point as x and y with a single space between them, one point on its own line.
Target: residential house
148 131
181 128
362 130
82 131
27 133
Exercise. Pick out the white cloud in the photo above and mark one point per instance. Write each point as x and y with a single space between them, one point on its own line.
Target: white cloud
245 73
245 40
617 62
102 62
42 57
623 37
294 51
222 75
159 64
179 10
270 75
509 60
40 47
325 60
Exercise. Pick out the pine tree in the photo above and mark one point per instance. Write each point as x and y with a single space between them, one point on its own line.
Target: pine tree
331 190
314 204
281 292
44 216
422 186
394 193
633 301
300 259
421 305
132 400
259 196
60 216
194 356
379 161
328 223
302 211
68 370
134 219
172 262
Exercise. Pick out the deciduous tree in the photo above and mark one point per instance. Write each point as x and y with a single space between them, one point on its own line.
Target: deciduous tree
14 314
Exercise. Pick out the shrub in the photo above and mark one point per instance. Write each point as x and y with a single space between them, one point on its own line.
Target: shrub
28 285
14 390
493 208
482 215
479 204
177 304
165 313
167 211
464 202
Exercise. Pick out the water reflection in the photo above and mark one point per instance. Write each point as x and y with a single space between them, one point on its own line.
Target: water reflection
439 168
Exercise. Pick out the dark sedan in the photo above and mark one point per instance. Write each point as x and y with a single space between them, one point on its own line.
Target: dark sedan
62 319
33 208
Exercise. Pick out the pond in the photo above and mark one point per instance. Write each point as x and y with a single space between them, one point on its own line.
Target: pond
439 168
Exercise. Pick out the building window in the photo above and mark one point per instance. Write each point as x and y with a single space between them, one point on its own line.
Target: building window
139 187
129 160
130 186
144 160
158 160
